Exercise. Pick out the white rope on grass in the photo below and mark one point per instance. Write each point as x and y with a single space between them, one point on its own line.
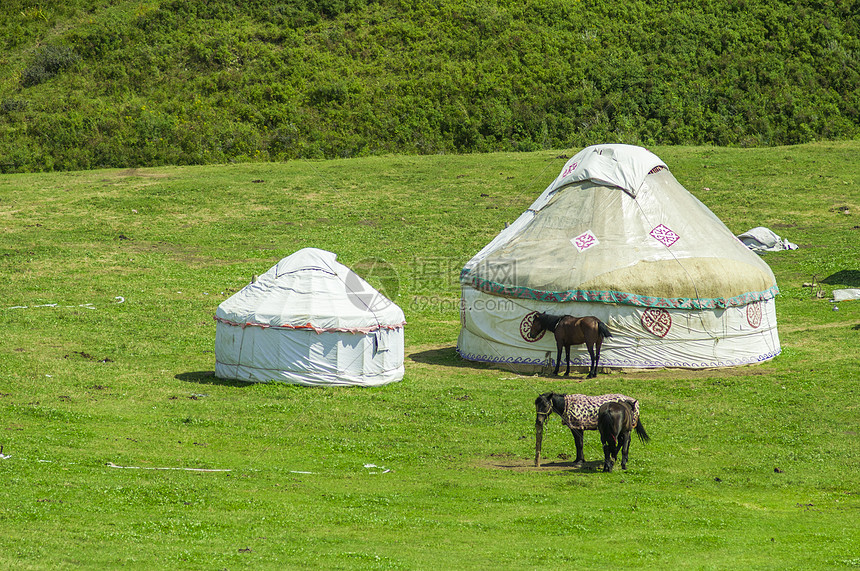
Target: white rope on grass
118 299
112 465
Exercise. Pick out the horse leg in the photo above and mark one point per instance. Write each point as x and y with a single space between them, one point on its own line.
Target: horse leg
612 456
607 458
616 445
596 358
607 453
604 427
625 438
577 437
558 358
538 441
567 353
592 371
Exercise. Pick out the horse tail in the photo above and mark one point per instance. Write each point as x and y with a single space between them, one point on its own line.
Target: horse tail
640 432
603 329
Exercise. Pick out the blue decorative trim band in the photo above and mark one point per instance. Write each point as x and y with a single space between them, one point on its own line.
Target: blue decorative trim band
609 362
619 297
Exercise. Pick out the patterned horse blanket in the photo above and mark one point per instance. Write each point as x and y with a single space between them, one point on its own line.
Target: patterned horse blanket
580 411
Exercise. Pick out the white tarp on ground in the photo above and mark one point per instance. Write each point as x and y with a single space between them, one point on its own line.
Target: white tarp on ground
846 294
616 236
310 320
763 239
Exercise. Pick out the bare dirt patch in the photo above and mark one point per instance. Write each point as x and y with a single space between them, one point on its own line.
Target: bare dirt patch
516 464
141 173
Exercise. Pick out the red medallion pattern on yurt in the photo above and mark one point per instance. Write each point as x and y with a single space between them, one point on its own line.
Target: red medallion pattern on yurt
657 321
526 328
754 313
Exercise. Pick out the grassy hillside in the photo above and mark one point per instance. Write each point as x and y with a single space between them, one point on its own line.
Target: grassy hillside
109 280
100 83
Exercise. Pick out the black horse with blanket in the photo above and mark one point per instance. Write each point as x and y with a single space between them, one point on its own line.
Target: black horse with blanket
578 413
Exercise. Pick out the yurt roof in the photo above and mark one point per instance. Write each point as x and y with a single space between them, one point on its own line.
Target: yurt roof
310 289
621 166
617 227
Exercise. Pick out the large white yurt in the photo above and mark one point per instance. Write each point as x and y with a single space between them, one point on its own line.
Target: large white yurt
616 236
310 320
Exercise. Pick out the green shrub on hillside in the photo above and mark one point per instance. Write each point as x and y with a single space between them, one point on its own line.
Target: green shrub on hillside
227 80
46 63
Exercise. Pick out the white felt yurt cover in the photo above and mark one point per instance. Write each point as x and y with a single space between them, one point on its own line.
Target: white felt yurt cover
310 320
615 235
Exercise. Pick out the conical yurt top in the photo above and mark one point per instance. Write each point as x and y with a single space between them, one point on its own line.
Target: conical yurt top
310 289
616 227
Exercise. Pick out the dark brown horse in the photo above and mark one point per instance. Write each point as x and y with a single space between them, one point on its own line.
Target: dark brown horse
569 331
615 422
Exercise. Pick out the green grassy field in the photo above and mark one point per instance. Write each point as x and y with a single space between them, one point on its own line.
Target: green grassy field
110 280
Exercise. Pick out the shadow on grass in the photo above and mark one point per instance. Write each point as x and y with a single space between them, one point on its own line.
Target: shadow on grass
209 378
449 357
850 278
446 356
594 466
528 466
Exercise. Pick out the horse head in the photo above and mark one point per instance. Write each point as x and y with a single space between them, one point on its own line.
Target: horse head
537 325
543 406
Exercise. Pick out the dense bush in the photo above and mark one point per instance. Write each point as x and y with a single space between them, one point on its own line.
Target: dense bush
46 63
184 82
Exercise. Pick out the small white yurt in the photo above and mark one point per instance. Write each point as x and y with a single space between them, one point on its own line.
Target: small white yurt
616 236
310 320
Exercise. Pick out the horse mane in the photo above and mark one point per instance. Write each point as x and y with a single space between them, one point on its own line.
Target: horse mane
549 321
